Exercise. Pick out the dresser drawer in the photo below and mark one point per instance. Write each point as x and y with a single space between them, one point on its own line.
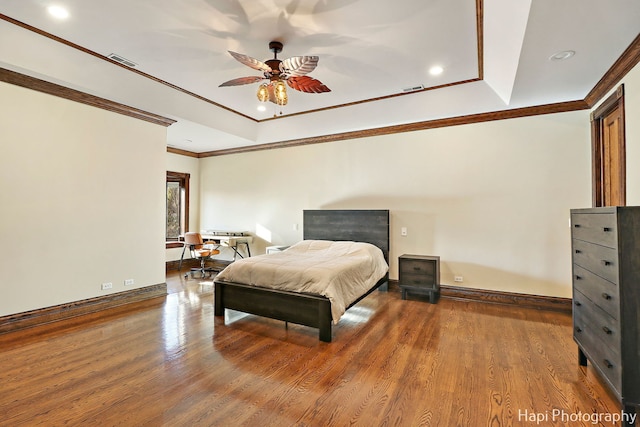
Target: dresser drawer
608 365
597 322
414 266
596 228
603 293
600 260
606 361
418 281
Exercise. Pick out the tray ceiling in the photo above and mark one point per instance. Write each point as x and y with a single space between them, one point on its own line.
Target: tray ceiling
495 55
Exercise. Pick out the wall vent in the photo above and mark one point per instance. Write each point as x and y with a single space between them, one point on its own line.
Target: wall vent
122 60
413 89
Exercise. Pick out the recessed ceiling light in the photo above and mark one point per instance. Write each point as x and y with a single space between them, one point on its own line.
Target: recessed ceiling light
262 108
561 56
436 70
58 12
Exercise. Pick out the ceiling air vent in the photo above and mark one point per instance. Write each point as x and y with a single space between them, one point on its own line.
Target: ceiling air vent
122 60
413 89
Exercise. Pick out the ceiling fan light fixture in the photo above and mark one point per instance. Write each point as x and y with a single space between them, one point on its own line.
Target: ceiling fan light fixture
263 93
280 92
294 70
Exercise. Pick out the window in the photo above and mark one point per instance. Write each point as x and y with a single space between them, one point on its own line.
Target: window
177 222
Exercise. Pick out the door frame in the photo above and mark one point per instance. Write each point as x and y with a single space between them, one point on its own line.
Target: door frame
614 101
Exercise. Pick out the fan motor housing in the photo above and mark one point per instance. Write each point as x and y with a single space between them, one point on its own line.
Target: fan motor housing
274 64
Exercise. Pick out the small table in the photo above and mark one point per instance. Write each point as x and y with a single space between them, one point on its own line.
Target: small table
420 274
274 249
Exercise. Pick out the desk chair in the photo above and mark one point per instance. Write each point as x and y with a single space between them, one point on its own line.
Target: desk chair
199 250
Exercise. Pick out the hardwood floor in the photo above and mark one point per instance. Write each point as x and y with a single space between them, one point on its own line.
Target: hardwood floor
169 362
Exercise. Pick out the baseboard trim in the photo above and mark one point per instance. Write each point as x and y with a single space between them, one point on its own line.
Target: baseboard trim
28 319
186 263
189 263
42 316
539 302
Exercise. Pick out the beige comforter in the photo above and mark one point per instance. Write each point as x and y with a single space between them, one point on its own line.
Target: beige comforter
340 271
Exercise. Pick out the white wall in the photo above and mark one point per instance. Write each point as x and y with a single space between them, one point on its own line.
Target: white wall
84 197
82 201
492 199
190 165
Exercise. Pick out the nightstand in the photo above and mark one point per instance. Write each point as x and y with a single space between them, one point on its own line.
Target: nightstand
274 249
420 274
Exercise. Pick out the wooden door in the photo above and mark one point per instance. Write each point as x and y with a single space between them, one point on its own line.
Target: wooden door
609 154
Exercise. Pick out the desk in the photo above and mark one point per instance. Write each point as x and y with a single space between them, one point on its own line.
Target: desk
231 239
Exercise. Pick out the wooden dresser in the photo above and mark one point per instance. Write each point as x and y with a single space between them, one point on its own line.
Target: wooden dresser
606 296
420 274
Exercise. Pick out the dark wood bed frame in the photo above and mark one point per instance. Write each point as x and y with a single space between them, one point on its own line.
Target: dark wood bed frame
369 226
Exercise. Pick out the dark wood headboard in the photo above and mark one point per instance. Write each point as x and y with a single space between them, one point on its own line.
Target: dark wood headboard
369 226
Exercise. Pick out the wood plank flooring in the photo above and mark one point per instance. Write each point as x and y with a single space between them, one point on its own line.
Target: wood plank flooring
169 362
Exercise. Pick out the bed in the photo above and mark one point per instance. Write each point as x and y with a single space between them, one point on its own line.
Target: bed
367 226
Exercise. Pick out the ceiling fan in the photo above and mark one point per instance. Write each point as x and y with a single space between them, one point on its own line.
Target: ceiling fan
292 70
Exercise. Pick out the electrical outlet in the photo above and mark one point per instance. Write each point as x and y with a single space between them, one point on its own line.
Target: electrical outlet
129 282
403 231
107 285
457 278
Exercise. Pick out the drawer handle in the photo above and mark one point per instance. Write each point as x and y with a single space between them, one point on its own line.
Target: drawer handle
608 364
606 296
577 225
416 268
578 329
578 251
606 229
605 262
578 277
577 303
607 330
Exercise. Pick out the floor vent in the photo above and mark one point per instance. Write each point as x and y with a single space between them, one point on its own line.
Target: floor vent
122 60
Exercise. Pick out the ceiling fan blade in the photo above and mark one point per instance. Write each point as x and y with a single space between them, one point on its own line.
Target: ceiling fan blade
298 65
307 84
242 81
251 62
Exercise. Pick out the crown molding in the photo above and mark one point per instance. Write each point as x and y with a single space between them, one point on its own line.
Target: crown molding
182 152
43 86
625 63
410 127
480 50
111 61
629 59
